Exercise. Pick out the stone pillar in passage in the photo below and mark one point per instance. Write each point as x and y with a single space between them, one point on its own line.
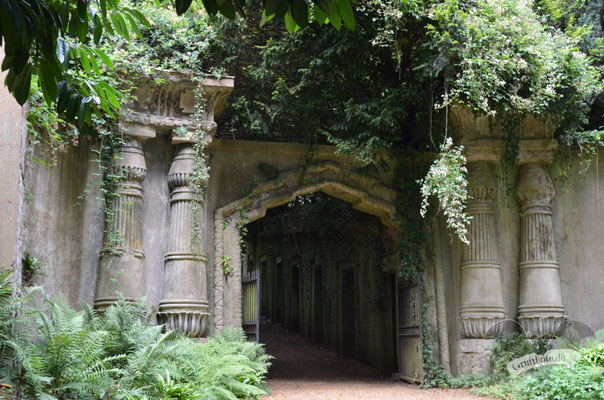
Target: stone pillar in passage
481 309
121 269
540 309
184 306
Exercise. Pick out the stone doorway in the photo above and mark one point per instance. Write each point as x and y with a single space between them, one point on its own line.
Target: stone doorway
322 276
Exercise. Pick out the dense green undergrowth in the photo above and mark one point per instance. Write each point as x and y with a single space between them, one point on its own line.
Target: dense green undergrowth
581 380
52 351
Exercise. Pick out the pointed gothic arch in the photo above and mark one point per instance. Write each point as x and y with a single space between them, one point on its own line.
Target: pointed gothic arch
365 193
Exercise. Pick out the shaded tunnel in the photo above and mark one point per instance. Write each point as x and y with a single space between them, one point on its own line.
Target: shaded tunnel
322 274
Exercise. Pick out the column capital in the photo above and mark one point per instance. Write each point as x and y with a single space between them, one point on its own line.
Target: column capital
481 181
535 186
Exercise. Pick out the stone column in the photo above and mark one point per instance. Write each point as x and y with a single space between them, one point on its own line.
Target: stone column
481 307
185 300
540 310
121 269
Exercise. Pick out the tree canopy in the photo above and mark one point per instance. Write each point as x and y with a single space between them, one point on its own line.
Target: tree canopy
41 38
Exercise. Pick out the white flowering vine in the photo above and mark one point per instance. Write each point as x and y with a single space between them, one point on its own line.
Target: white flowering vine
446 180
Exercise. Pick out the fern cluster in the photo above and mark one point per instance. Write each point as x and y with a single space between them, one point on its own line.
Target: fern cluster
53 351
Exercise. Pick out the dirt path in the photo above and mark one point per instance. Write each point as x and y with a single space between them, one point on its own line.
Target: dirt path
303 371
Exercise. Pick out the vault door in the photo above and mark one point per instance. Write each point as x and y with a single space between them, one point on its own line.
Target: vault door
251 305
409 330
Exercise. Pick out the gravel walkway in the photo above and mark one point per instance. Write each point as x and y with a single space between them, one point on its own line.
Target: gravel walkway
303 371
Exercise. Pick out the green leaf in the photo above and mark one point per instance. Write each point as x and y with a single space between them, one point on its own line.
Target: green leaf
104 57
299 11
82 9
72 107
82 31
320 15
264 19
123 25
47 81
134 26
211 6
85 62
347 14
272 6
108 26
92 58
98 29
23 84
117 26
63 51
139 15
226 8
290 24
182 6
63 93
111 93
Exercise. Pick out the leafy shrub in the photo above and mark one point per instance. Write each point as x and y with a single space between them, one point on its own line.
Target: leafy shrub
468 381
509 348
558 382
119 355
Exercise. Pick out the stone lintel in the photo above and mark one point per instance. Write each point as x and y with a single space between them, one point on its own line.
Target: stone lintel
492 150
137 130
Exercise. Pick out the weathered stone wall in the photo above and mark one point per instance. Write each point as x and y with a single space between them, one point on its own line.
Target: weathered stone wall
64 218
12 142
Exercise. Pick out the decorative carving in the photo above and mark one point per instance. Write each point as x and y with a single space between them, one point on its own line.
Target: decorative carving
121 270
169 104
481 309
540 310
185 300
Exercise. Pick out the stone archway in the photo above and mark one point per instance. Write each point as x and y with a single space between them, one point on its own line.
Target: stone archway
364 193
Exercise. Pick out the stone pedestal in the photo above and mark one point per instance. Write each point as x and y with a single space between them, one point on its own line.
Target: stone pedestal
474 355
481 309
121 269
540 310
184 306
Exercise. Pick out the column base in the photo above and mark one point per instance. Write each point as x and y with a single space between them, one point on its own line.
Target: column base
102 304
481 327
474 356
536 326
189 317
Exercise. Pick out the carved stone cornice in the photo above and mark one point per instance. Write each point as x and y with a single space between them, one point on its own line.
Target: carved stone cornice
166 100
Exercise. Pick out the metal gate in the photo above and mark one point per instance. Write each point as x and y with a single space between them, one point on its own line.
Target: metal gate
251 305
409 331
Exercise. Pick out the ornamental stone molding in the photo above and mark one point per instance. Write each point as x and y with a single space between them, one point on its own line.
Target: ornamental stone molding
540 310
166 100
484 140
481 309
121 270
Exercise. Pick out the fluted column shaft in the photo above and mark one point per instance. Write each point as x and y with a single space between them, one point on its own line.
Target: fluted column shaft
121 270
184 306
481 309
540 310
